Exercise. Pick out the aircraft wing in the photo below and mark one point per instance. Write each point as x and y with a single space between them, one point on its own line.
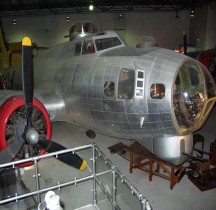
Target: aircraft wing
5 94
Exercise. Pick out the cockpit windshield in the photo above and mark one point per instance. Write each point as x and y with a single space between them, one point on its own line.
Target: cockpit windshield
106 43
193 92
88 47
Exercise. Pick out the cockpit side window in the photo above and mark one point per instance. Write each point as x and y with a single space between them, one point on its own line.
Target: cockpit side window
88 47
85 47
157 91
78 48
126 84
106 43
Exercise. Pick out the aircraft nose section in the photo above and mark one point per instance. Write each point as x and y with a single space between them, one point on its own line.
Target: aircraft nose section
194 94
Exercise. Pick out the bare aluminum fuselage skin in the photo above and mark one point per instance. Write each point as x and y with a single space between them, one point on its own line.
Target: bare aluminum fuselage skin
72 88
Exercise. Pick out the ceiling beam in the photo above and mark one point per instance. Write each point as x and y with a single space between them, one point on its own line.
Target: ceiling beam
46 7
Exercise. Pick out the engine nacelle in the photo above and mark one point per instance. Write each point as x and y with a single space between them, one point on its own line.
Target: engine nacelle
12 121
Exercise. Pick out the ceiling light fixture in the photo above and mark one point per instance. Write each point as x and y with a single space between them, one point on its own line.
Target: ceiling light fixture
14 21
91 7
192 13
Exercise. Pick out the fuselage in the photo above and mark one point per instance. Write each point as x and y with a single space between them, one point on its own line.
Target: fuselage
146 94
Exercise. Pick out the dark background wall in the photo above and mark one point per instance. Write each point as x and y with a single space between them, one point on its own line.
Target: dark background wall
164 27
203 28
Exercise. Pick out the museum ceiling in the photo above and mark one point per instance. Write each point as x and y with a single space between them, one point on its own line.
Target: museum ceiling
40 7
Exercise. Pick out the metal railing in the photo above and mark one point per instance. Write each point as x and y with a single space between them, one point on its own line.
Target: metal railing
100 180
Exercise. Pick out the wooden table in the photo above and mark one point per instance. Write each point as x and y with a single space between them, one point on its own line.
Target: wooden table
143 159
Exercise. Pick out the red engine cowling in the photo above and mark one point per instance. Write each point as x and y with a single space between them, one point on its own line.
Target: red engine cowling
205 58
208 59
7 112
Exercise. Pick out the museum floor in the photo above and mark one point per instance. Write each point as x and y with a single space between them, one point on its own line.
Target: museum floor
185 194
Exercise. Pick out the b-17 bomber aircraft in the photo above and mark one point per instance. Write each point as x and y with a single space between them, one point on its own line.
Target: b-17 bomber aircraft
152 95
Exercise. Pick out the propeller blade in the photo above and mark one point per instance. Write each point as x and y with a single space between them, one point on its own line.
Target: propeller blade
27 77
70 159
10 152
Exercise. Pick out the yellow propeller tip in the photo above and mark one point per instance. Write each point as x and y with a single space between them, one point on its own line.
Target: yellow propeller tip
26 41
83 166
